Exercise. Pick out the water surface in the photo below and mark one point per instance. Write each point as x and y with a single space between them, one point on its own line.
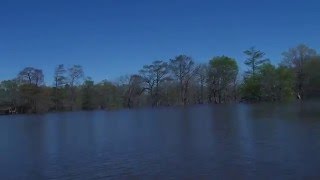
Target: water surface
222 142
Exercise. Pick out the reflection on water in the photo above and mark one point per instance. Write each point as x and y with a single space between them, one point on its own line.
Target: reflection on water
225 141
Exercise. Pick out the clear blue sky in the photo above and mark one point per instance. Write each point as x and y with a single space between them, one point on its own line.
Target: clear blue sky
110 38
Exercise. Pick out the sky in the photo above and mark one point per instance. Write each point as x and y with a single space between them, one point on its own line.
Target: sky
111 38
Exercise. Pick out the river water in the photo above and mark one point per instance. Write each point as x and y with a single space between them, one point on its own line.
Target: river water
265 141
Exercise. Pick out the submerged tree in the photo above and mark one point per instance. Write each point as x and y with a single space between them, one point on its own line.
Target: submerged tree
269 84
60 81
296 58
201 77
183 69
251 87
222 78
153 75
88 93
107 95
133 90
312 77
30 91
9 93
75 75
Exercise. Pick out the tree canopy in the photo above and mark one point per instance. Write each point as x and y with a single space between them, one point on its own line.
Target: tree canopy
178 81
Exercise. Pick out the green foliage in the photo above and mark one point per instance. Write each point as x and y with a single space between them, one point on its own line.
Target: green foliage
312 80
179 81
269 84
222 75
88 94
255 58
297 59
9 92
251 89
284 83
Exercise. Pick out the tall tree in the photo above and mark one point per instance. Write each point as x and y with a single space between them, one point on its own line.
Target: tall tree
107 95
201 79
60 78
312 80
296 58
284 83
267 81
30 81
183 68
255 58
60 81
222 77
153 75
88 94
75 75
133 91
30 75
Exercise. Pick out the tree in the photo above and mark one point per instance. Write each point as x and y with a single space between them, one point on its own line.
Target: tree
30 80
30 75
133 91
284 83
201 78
59 82
251 89
222 78
130 89
183 69
88 94
296 58
312 80
75 74
9 93
269 84
255 58
153 75
107 95
267 80
59 76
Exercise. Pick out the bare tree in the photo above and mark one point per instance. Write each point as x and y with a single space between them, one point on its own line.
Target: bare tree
153 75
201 78
30 91
59 76
132 90
31 76
75 75
183 68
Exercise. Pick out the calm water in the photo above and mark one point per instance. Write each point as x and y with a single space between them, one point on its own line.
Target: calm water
221 142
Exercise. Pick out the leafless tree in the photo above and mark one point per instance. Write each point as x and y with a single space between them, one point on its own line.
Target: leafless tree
183 68
31 76
153 75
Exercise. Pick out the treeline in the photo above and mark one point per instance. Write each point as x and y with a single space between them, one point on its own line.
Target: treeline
179 81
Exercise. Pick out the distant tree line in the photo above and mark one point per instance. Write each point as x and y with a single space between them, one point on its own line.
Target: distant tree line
178 81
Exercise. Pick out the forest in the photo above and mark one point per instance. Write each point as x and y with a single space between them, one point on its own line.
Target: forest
177 81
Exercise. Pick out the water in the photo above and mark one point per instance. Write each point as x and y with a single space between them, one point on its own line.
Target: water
200 142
